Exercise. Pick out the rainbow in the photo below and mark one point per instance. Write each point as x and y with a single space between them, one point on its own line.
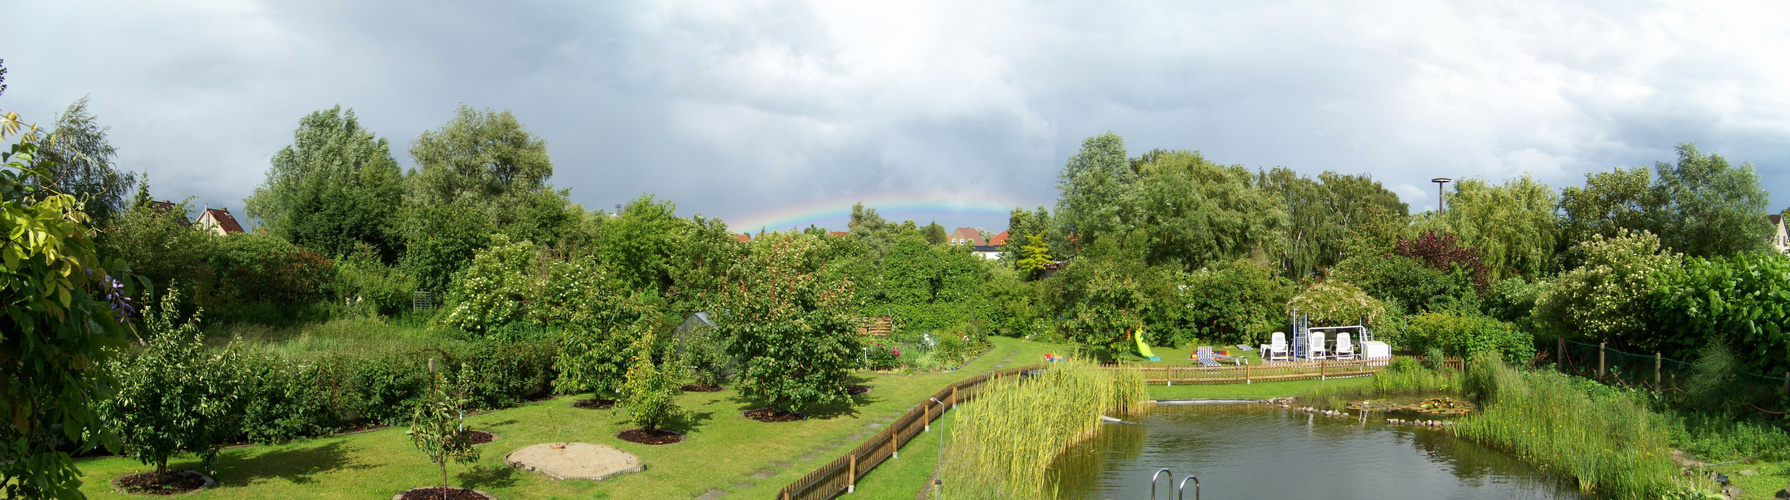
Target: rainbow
989 212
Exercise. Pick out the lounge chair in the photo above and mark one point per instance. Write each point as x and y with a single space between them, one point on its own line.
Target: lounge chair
1208 357
1315 349
1344 349
1276 348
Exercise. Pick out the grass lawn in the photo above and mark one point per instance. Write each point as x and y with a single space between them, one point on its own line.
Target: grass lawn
723 451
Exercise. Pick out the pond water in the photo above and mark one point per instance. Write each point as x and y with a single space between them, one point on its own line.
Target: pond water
1258 451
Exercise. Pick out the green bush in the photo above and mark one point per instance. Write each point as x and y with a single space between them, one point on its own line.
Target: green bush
287 401
1608 298
259 268
496 288
174 396
650 389
1408 282
365 284
1236 303
1738 301
1466 334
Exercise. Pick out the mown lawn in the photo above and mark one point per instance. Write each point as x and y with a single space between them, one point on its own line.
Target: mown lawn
723 451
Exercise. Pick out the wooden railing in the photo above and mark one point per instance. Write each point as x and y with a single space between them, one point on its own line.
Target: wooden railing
842 474
877 326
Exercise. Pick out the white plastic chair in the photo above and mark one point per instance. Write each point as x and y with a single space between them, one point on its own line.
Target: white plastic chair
1344 348
1276 350
1316 349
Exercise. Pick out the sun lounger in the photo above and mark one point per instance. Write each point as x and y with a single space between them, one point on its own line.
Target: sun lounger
1208 357
1316 349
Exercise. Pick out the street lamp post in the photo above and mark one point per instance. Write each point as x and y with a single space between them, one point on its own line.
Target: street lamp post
1439 182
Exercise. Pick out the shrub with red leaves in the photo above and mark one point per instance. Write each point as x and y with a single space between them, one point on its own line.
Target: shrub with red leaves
1444 252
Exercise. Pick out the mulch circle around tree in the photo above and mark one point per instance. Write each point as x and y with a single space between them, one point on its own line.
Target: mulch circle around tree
643 436
857 389
700 388
480 437
435 493
594 404
766 415
176 483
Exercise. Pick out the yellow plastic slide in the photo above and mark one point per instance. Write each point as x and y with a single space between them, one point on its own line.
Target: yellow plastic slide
1142 348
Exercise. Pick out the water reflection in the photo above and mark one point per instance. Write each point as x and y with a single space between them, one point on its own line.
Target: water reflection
1252 451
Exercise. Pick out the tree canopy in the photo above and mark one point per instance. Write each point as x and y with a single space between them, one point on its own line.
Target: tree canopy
478 156
334 187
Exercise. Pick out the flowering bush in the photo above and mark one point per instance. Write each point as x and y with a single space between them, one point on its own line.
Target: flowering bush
1337 303
880 357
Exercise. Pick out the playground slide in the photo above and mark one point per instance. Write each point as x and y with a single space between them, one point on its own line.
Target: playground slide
1144 349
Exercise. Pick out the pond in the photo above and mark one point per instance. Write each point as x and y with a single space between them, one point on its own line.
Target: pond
1259 451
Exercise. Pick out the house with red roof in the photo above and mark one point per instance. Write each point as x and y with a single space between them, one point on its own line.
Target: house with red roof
743 237
965 236
218 221
998 239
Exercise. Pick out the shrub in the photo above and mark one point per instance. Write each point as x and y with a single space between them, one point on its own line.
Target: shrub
287 401
1465 335
1445 253
1099 300
1237 303
363 283
790 324
650 389
1407 282
594 354
1337 303
879 357
1608 297
496 288
1512 301
174 396
259 268
1734 300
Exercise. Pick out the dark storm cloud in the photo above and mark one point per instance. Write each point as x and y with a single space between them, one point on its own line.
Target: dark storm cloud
734 109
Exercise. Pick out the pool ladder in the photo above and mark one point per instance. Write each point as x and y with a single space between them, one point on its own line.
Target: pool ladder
1180 490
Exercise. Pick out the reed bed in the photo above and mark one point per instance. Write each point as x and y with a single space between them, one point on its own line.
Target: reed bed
1605 439
1406 375
1007 438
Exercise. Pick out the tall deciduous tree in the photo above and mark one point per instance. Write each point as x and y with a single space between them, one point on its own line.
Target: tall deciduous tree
1708 208
479 156
1608 203
934 233
1098 191
1195 211
336 185
1323 213
1513 225
79 160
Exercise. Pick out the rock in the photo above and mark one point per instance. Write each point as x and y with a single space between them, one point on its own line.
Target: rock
1749 472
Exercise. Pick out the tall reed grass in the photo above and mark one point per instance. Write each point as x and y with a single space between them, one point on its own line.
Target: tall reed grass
1007 437
1406 375
1607 440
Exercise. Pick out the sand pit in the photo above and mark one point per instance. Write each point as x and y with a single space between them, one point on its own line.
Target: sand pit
592 462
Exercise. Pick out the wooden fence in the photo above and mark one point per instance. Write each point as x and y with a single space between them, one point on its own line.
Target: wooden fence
842 474
1265 372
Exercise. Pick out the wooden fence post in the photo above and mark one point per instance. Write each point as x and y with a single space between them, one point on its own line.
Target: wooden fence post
1560 354
927 408
1321 364
953 396
1600 360
1246 370
852 472
894 443
785 494
1656 362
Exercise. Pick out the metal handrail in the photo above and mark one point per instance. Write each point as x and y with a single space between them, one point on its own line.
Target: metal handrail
1171 477
1181 490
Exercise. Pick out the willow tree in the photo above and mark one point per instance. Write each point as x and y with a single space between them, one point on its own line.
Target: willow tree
1514 225
335 187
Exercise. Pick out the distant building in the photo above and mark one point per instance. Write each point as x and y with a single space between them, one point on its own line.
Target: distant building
1780 238
218 221
965 236
169 207
743 237
838 234
990 252
998 239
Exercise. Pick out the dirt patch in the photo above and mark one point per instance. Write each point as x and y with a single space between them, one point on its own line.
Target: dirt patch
480 437
175 483
594 404
436 493
592 462
767 415
701 388
857 389
644 436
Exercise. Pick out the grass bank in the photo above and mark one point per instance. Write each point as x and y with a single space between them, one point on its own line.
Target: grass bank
1007 438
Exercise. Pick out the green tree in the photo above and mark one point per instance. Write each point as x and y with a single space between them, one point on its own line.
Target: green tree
934 233
334 187
79 160
1708 208
62 310
162 247
497 288
1608 203
1323 213
478 157
437 426
1196 211
790 325
1098 191
1513 225
1099 300
442 239
1022 222
596 344
650 389
1035 255
176 396
641 246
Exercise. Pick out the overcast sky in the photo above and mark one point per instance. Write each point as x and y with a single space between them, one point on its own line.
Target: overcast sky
763 113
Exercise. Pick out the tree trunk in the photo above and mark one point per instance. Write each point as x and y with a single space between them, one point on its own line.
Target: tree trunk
444 480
